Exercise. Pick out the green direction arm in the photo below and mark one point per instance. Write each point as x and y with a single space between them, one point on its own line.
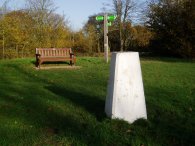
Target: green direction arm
112 17
99 18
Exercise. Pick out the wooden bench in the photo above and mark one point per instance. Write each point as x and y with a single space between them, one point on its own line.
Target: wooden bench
54 55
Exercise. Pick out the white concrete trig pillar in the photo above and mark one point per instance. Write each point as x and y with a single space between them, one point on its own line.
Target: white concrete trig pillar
125 95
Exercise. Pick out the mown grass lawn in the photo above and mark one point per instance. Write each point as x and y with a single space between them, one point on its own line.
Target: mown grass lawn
66 107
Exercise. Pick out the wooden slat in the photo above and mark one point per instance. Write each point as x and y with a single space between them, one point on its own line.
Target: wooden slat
49 52
62 52
53 52
43 52
46 52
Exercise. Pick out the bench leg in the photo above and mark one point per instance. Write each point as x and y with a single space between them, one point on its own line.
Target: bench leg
40 62
73 61
37 63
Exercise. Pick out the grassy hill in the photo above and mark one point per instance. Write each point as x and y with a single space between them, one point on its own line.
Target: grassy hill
66 106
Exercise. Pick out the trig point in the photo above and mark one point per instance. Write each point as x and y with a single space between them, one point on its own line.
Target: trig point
125 95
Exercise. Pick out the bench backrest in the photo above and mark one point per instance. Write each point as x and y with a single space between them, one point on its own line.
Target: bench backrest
54 52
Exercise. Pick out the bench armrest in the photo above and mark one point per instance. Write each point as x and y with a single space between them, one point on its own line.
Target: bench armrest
71 55
38 56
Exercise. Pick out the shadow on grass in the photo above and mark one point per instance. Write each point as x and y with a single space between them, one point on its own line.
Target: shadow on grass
52 63
168 59
27 111
169 117
93 105
46 121
26 108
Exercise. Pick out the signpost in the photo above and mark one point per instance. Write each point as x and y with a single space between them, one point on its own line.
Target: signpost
99 18
111 17
105 38
106 18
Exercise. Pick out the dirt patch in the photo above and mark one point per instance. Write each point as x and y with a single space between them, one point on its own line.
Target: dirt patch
58 67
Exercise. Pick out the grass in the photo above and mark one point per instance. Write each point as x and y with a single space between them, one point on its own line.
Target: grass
66 107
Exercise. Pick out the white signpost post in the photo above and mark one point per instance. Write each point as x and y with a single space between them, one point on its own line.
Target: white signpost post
106 18
125 95
106 37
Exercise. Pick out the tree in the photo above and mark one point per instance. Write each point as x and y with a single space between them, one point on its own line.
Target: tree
96 30
123 8
50 29
41 11
3 10
16 26
58 33
36 26
91 38
142 38
135 37
172 22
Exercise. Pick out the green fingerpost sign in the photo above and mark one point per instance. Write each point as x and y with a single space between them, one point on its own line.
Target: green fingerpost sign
112 17
99 18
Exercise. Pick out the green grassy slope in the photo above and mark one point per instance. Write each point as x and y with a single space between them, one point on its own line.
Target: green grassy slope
66 107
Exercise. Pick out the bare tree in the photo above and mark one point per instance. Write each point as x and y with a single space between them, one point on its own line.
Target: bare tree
41 12
123 9
41 5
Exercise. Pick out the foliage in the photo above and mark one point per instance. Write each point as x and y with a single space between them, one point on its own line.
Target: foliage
123 8
172 21
16 33
91 36
169 29
142 38
36 26
96 28
136 37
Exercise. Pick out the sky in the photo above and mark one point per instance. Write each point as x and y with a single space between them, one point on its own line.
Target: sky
76 11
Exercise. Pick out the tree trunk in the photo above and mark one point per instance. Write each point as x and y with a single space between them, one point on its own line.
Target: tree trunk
3 44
